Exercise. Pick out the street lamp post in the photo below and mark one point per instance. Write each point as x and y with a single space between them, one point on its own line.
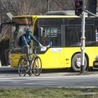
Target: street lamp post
83 39
83 34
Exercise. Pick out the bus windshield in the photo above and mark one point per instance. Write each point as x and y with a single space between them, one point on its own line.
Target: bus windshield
52 30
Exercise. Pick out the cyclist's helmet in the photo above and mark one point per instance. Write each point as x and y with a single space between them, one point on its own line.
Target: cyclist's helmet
28 29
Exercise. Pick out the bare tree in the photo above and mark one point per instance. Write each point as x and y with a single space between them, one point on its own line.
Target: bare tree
24 7
27 7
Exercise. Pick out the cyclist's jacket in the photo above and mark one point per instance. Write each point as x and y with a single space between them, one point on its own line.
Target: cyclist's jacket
26 38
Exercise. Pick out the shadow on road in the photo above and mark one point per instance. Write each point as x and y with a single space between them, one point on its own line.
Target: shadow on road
8 69
55 70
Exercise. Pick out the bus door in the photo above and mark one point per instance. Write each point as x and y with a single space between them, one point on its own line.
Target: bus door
70 39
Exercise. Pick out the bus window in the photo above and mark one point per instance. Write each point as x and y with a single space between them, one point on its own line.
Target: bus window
53 35
73 35
17 31
89 33
52 27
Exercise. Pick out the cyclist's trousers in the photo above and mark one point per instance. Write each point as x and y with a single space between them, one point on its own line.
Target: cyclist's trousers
26 49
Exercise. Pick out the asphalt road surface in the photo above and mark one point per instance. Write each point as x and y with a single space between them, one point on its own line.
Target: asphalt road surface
9 79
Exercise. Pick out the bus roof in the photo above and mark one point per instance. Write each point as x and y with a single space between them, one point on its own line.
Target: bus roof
54 14
67 12
46 16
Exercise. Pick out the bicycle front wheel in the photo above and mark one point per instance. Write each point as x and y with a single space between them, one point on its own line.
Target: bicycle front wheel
22 66
37 66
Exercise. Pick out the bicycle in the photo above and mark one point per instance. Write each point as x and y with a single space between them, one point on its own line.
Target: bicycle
35 64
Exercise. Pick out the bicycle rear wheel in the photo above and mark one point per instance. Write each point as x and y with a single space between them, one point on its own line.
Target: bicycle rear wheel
22 66
37 66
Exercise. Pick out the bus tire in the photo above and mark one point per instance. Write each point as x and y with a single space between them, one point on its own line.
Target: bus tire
76 62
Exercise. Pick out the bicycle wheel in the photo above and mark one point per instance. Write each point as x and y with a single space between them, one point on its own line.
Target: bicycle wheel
22 66
37 66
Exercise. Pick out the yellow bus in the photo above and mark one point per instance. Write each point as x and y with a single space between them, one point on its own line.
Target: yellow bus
64 31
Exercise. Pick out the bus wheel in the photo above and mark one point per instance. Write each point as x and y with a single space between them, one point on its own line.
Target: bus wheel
76 62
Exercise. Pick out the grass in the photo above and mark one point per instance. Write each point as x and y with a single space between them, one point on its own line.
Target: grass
49 93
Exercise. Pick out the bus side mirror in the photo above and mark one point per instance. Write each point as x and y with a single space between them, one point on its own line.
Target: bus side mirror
40 31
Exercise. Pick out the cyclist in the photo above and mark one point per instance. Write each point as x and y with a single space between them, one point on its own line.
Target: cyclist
25 40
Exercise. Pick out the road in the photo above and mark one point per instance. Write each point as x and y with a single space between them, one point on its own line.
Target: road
57 79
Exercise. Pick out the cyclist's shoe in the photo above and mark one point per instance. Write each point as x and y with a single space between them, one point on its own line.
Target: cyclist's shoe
48 46
30 72
24 74
28 68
